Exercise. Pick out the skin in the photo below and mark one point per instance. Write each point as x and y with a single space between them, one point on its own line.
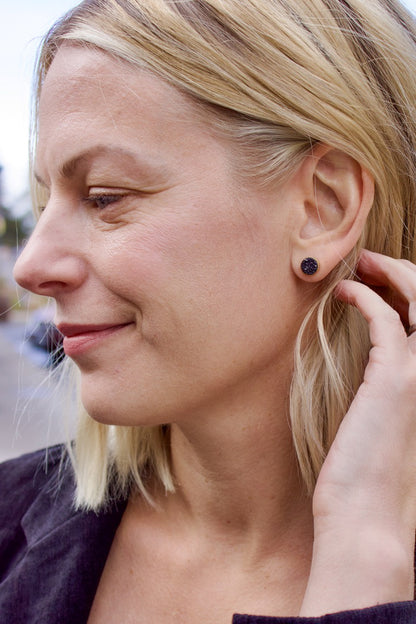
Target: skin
203 269
184 230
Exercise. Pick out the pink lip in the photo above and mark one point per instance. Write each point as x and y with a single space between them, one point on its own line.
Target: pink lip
80 338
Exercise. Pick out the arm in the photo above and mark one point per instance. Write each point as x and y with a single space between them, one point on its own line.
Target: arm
365 498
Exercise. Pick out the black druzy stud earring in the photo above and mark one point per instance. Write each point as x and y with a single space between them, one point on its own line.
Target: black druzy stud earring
309 266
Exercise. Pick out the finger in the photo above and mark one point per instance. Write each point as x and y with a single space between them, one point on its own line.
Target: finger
385 326
393 298
398 275
369 264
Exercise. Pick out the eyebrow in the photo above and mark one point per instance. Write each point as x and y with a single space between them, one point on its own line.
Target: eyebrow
69 167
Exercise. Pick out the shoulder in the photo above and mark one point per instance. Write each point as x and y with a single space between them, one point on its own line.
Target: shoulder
22 479
51 554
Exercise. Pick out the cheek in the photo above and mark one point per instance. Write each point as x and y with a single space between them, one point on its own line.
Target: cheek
211 311
194 257
195 276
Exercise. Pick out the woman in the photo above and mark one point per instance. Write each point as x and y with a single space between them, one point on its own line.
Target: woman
225 188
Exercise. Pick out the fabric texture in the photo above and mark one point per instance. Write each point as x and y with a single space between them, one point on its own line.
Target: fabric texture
395 613
52 557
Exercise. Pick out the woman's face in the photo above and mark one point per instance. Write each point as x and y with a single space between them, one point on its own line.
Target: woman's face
171 276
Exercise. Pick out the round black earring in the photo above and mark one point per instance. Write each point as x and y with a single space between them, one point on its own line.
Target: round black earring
309 266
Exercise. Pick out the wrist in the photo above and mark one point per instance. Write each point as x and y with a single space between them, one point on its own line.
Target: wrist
358 569
366 531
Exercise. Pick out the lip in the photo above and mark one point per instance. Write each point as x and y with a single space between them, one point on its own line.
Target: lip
80 338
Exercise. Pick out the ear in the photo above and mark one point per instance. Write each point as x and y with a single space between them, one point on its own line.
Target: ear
334 194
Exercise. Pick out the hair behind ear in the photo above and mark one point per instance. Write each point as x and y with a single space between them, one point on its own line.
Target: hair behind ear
333 335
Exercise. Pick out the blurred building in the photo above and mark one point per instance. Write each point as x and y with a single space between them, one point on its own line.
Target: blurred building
16 223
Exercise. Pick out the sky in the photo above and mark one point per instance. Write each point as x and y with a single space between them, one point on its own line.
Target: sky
22 24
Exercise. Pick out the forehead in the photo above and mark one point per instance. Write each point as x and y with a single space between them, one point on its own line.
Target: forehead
77 71
89 97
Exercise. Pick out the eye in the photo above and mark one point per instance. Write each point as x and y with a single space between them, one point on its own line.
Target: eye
102 200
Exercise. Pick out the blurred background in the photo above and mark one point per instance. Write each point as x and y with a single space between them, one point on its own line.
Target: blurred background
31 404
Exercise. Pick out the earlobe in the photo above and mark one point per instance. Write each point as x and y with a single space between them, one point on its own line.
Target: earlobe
336 194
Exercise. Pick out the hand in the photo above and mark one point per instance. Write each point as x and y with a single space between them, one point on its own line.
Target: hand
365 498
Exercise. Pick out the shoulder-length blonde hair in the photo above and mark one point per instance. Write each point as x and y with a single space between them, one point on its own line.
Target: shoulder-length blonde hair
280 76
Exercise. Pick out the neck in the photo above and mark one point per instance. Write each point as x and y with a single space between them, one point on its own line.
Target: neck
237 476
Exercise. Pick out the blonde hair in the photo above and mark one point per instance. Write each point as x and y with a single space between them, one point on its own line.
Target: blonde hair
280 76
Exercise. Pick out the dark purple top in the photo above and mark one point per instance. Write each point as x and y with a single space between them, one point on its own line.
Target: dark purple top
52 557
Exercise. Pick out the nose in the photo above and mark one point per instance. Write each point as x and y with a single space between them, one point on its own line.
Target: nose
52 261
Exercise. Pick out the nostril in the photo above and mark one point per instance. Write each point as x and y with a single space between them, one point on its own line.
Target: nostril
46 275
33 275
51 285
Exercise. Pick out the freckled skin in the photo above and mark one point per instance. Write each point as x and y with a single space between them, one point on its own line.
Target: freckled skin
197 261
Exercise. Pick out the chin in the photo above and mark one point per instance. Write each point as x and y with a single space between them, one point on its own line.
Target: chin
110 410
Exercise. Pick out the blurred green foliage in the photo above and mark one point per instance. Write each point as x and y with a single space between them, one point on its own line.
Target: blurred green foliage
12 230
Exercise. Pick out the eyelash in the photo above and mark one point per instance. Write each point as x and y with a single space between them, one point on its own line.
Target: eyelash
107 200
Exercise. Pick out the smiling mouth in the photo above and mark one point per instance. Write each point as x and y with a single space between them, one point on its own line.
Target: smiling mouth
80 338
